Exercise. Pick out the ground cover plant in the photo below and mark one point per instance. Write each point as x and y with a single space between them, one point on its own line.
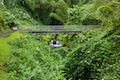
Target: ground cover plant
93 54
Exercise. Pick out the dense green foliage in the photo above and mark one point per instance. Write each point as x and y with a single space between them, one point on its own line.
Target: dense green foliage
3 17
5 50
30 60
97 56
90 55
54 12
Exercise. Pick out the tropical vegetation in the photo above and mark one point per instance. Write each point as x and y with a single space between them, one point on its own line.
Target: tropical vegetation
93 54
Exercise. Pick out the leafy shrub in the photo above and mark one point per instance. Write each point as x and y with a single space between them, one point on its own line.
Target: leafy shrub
91 20
105 11
94 58
4 18
97 57
32 59
60 12
81 14
47 10
116 16
109 13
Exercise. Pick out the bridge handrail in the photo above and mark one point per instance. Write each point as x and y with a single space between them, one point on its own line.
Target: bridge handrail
42 28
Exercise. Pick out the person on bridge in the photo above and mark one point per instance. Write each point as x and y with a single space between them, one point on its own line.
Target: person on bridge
13 26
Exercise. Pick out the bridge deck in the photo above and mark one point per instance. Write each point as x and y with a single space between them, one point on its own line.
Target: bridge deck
57 29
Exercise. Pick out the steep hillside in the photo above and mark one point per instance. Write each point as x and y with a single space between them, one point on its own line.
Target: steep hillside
12 12
94 54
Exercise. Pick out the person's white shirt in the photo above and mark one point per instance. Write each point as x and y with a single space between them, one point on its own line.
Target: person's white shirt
14 28
51 43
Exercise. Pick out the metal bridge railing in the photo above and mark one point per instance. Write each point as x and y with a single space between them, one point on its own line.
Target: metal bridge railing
58 28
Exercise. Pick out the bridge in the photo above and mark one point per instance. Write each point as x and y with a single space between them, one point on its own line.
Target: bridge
57 29
52 29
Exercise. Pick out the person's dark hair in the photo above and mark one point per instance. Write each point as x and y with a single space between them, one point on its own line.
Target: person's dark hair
54 42
12 24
